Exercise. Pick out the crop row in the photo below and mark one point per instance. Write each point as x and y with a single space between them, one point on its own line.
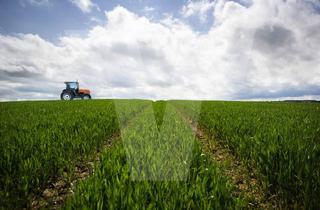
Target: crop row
279 140
41 141
157 165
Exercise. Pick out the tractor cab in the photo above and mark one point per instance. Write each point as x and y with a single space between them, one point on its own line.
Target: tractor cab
72 85
72 91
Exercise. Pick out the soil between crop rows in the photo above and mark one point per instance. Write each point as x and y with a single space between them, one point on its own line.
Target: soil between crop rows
245 181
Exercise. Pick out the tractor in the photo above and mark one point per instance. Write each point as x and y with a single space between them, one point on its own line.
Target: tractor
72 91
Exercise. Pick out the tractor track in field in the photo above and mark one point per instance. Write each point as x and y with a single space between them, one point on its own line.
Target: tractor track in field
246 182
56 192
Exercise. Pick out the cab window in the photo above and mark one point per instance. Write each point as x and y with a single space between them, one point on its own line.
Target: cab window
73 85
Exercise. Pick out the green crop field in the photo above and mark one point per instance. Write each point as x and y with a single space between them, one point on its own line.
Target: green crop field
152 155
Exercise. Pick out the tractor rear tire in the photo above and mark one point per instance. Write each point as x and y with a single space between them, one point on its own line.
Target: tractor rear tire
86 97
66 96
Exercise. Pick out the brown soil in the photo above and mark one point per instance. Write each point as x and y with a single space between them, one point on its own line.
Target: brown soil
56 192
245 181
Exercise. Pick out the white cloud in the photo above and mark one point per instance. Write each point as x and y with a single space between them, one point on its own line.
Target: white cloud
199 8
96 20
268 50
85 5
148 9
35 2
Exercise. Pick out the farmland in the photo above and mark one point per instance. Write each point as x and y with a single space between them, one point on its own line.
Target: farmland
281 141
42 141
158 161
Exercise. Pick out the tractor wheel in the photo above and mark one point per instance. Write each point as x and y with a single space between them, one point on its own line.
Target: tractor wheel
66 96
86 97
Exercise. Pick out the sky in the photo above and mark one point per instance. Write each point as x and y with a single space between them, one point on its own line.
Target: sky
161 49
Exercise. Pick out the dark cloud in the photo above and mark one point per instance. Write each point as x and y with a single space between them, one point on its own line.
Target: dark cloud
19 76
287 91
270 38
28 92
24 73
7 92
122 80
35 88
